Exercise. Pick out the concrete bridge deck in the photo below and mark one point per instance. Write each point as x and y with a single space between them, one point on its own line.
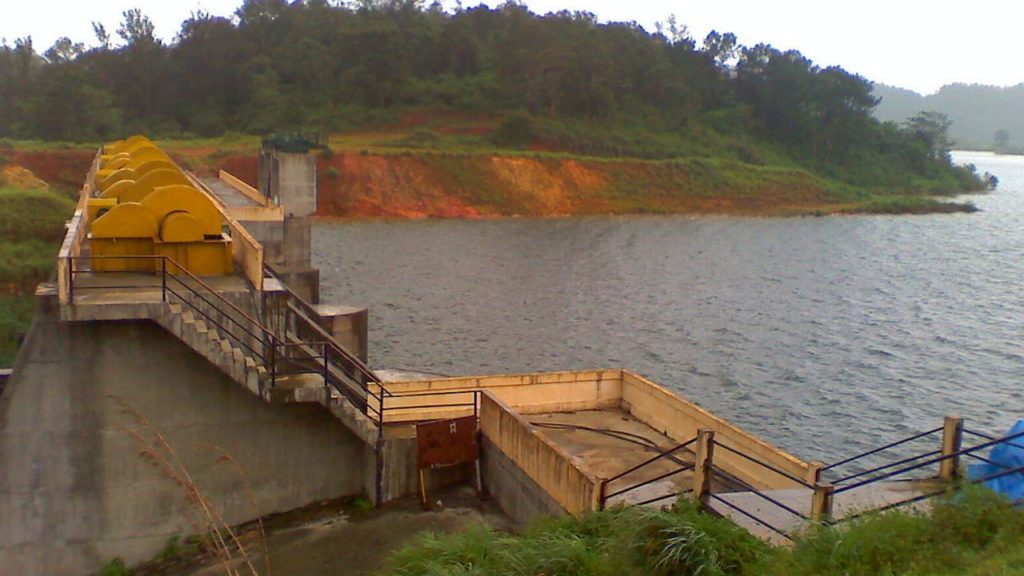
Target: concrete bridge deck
227 194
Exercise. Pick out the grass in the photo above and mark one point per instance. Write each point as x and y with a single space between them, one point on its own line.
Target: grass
15 317
912 205
974 533
31 228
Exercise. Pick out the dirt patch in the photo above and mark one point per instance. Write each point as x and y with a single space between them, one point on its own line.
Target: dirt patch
246 168
356 185
334 539
445 185
61 169
14 176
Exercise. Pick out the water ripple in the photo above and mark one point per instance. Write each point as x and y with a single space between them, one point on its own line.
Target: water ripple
827 335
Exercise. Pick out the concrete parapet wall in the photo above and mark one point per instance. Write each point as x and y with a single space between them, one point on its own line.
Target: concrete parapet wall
680 420
248 214
516 493
243 188
246 251
526 393
560 474
75 235
74 489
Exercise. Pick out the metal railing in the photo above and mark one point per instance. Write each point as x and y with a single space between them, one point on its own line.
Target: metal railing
892 445
280 354
748 488
300 346
953 455
667 454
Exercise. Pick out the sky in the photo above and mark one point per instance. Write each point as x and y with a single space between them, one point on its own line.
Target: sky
916 44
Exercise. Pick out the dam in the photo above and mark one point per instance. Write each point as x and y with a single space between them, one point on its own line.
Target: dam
182 348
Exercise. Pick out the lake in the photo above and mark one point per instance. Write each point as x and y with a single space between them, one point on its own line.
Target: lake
827 336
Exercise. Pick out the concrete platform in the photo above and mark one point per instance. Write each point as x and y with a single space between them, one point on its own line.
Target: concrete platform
846 504
611 441
137 287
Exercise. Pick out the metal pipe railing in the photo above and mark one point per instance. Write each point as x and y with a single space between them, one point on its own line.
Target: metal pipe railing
931 461
766 465
886 466
882 448
778 531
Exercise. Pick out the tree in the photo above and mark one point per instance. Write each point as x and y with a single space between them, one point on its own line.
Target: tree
136 28
721 48
1002 139
932 130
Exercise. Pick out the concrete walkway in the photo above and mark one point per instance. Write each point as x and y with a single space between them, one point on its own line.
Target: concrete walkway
846 504
229 196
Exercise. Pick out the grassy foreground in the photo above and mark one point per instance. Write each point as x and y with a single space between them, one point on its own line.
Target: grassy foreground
975 533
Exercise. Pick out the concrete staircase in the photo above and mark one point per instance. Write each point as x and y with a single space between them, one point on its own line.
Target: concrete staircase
205 339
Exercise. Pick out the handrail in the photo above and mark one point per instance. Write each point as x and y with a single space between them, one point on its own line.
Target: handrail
882 448
762 495
683 468
931 461
987 437
751 516
308 312
184 272
357 364
886 466
652 459
775 469
925 496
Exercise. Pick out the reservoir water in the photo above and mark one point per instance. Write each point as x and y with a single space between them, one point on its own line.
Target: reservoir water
827 336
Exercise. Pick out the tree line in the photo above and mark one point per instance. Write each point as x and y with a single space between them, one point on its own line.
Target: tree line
984 117
280 65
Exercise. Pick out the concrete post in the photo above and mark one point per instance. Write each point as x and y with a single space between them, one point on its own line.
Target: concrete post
702 468
814 472
821 502
952 439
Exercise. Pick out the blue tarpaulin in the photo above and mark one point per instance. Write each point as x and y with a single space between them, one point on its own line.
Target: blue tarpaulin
1006 456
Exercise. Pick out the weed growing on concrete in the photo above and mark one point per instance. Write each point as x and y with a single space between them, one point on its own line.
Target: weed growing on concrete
214 532
115 567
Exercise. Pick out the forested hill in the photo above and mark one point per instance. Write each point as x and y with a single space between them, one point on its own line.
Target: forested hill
983 117
562 81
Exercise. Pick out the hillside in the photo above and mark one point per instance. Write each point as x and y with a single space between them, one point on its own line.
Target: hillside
717 112
978 112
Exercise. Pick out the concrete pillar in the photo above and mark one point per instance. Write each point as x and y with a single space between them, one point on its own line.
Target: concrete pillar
952 437
702 468
348 325
821 502
297 243
289 180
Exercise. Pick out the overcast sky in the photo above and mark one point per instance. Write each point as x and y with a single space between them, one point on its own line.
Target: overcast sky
916 44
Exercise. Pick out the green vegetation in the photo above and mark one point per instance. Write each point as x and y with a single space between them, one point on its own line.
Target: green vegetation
972 534
562 83
115 567
31 228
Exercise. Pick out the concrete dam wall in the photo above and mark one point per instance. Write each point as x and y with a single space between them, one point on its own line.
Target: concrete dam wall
76 488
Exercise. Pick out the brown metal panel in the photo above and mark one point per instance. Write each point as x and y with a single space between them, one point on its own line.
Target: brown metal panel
447 442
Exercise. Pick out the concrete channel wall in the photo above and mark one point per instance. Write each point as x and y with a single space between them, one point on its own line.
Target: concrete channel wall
79 484
516 395
526 393
560 474
680 420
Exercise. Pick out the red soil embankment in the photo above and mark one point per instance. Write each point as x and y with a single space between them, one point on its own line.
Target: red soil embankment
61 169
425 185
